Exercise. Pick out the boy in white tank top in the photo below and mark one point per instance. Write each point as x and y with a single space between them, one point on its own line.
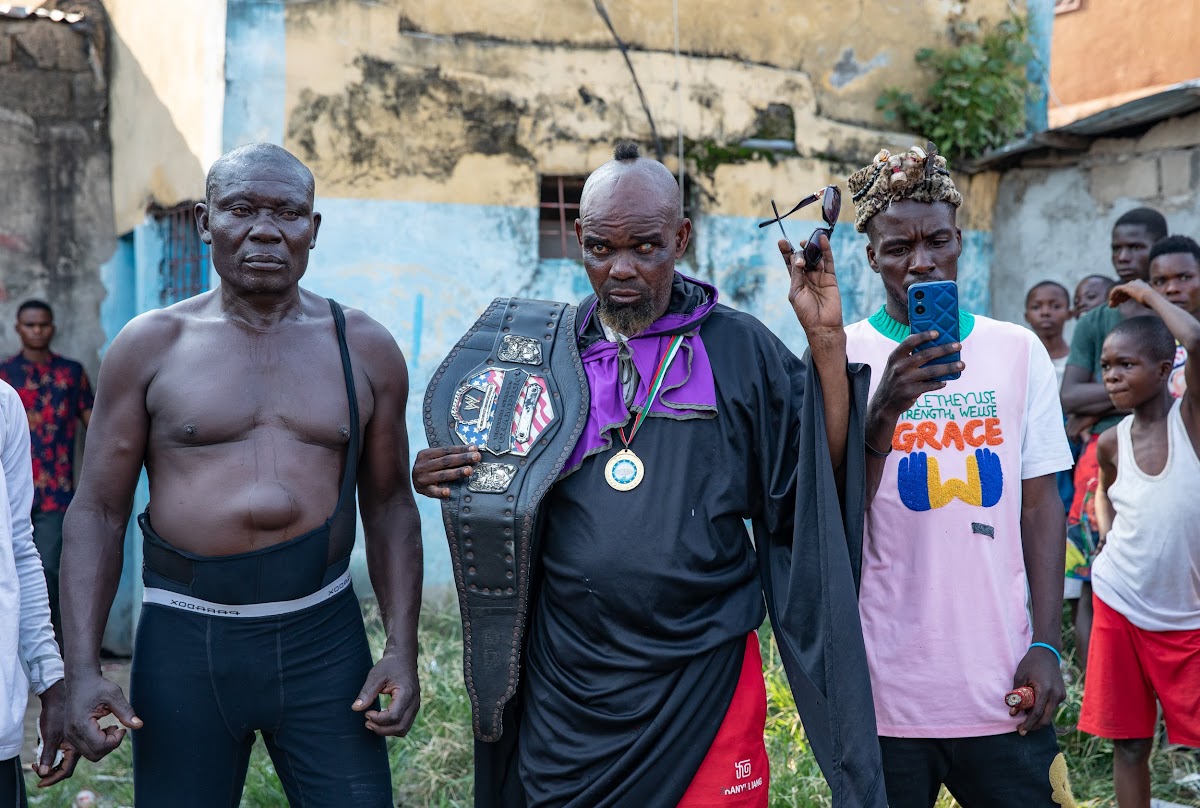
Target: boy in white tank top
1146 576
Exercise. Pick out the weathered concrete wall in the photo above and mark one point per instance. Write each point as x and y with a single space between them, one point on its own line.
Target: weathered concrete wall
416 101
1054 220
55 210
1142 45
851 51
167 99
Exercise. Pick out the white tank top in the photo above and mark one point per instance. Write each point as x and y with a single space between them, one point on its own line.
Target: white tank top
1149 570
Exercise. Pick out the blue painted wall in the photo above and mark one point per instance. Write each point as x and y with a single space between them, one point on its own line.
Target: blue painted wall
1037 102
255 68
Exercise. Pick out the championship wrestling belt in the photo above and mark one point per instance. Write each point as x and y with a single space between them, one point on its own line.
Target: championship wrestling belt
513 387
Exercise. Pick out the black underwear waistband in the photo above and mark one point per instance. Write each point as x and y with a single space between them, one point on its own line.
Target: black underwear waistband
282 572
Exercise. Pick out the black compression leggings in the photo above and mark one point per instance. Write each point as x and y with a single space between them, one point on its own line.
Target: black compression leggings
204 685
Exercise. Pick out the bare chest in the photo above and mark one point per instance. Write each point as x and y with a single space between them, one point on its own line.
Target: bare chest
217 386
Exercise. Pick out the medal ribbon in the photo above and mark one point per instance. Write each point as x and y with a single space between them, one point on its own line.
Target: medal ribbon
659 376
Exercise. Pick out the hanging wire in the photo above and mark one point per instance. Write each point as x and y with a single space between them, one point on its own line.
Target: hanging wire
603 12
679 100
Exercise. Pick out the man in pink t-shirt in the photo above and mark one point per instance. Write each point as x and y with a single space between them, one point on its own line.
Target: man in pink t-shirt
964 523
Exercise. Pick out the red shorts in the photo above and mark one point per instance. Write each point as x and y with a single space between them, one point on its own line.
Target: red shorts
1128 667
735 772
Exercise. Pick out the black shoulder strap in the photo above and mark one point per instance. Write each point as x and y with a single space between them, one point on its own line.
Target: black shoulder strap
353 451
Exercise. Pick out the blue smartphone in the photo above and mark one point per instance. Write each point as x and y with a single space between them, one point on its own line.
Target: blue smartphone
933 306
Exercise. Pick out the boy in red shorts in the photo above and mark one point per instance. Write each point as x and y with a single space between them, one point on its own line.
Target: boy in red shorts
1146 576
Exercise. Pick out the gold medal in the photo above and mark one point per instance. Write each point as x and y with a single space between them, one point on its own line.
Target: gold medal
624 471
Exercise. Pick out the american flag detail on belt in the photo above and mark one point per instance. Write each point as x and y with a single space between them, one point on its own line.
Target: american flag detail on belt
474 410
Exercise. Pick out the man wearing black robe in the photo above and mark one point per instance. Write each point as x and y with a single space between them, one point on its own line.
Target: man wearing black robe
644 598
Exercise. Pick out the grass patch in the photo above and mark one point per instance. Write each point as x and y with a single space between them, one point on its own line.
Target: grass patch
432 767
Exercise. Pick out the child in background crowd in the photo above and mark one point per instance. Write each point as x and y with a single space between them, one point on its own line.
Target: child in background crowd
1047 309
1146 631
1175 274
1091 292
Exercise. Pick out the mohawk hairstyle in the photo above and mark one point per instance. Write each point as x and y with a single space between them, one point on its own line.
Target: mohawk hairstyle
627 150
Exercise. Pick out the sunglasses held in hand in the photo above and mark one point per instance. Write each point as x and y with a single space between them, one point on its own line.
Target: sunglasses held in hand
831 206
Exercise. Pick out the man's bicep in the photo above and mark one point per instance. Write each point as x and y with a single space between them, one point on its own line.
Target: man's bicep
118 428
1074 374
383 467
1084 350
1081 394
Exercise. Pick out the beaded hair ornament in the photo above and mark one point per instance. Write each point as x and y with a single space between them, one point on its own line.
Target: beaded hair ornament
917 174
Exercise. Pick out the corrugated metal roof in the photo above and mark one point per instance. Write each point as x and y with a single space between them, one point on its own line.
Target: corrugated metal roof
26 12
1129 118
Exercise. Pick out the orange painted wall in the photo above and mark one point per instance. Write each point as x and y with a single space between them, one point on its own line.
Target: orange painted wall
1116 47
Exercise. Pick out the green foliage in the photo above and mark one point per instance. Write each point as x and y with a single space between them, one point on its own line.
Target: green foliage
977 99
432 767
708 155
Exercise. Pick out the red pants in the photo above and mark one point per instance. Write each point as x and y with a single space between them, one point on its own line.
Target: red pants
735 772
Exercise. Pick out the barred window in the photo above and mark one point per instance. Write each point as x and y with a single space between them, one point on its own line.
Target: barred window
558 207
183 269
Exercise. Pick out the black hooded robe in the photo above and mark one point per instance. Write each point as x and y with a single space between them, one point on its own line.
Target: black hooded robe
643 599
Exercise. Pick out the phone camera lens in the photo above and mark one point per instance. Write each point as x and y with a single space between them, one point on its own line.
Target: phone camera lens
920 309
919 295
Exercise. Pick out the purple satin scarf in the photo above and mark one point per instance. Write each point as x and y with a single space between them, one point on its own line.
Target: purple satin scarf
687 391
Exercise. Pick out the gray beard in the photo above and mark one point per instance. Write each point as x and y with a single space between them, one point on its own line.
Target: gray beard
628 320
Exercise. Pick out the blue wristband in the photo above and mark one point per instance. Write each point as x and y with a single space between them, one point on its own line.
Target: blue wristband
1050 648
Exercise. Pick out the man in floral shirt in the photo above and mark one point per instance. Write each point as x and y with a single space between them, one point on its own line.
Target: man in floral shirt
56 393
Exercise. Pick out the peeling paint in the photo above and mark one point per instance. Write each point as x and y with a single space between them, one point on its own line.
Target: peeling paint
363 128
848 68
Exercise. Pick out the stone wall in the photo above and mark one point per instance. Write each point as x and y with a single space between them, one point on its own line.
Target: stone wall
55 208
1054 216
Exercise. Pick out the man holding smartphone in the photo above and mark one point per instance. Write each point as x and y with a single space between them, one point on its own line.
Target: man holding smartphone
963 517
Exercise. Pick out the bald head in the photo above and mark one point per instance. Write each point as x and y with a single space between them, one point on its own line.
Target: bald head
257 157
631 233
628 168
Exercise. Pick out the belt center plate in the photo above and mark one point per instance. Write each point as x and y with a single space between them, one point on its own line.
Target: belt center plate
475 403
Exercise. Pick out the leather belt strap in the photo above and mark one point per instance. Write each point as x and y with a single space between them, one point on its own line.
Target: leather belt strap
513 386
